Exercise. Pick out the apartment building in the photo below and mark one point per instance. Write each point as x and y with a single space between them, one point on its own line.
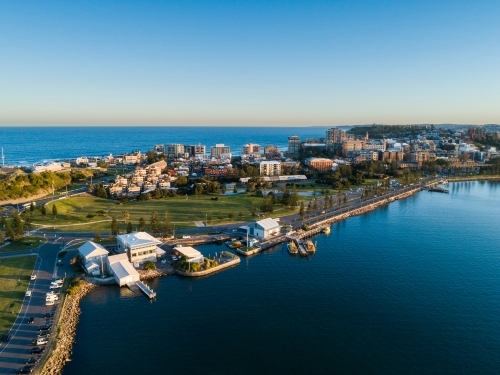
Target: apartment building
220 150
320 164
270 168
293 144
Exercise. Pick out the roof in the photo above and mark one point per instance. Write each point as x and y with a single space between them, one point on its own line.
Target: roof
188 251
160 251
123 269
90 266
138 239
90 248
267 224
117 258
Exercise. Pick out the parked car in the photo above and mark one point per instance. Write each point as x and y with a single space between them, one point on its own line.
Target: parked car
54 286
25 370
7 337
45 327
50 303
43 334
37 350
28 293
33 276
186 236
32 360
31 320
40 341
49 314
58 281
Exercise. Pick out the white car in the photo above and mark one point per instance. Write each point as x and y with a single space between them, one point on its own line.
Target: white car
54 286
28 293
186 236
33 276
49 303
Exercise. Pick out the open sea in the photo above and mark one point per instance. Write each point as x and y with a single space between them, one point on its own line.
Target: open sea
410 288
28 145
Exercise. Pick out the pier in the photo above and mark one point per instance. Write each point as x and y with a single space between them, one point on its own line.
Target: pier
143 287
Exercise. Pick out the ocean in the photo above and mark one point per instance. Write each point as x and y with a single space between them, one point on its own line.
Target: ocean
410 288
29 145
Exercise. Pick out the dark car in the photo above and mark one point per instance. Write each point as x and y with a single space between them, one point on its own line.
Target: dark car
33 360
45 327
37 350
25 370
31 320
48 315
43 334
7 337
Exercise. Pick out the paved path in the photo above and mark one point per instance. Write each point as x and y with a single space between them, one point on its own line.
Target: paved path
199 224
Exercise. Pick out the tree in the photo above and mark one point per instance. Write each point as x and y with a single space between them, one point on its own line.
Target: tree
101 192
32 207
294 197
240 215
167 222
1 237
149 265
18 225
97 237
27 222
114 226
181 181
43 210
54 211
10 233
125 215
315 205
302 210
142 224
129 227
154 222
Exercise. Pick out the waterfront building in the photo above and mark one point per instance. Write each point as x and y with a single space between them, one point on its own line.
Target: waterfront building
173 150
251 149
264 228
139 246
270 168
191 254
53 167
320 164
121 269
93 257
195 150
220 150
293 144
133 158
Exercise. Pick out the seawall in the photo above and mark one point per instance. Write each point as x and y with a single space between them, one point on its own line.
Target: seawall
211 270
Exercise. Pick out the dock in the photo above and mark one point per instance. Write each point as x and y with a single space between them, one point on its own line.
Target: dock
300 245
143 287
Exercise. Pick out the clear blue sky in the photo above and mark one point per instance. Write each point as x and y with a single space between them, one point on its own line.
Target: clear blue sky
249 62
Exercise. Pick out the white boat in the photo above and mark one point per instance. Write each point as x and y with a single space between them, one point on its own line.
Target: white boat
326 230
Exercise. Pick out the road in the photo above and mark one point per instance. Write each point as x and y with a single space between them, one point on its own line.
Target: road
14 353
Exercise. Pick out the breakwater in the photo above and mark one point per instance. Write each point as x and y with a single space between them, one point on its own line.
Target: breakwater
61 344
158 272
218 268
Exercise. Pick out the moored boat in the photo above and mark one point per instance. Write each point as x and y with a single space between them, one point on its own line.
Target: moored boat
292 248
310 246
326 230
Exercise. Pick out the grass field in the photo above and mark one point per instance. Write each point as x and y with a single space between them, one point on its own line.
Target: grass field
26 243
183 212
14 278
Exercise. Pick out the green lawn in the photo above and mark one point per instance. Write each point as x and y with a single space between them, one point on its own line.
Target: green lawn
14 278
183 212
25 243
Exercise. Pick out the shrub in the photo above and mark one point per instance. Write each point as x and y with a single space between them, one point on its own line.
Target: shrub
149 265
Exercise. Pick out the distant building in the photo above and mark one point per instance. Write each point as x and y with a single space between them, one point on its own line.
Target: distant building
293 144
173 150
251 149
271 151
220 150
320 164
335 135
139 246
352 147
270 168
264 228
133 158
195 150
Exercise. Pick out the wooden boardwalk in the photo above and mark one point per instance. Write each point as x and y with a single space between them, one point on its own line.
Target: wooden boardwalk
143 287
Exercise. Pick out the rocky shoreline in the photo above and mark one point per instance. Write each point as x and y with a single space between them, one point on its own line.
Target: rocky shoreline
158 272
69 315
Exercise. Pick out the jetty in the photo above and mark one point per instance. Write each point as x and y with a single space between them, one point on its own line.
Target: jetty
143 287
439 189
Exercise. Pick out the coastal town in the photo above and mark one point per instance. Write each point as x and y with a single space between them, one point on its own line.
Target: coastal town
301 191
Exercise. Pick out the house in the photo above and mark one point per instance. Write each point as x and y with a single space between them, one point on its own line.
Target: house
121 269
93 257
139 246
264 228
190 253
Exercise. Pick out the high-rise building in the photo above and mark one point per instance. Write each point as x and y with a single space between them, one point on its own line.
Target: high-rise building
251 149
335 135
271 151
220 150
173 150
293 144
270 168
195 150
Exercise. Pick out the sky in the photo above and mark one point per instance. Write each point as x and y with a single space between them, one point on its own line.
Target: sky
282 63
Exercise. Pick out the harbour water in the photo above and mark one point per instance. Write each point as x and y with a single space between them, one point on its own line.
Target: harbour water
28 145
410 288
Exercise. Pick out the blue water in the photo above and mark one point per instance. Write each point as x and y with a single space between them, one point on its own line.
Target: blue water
28 145
411 288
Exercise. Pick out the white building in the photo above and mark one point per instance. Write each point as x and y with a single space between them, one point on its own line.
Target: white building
270 168
93 257
264 228
122 270
190 253
139 246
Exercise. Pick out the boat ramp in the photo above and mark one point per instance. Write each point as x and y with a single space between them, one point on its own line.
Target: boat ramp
142 287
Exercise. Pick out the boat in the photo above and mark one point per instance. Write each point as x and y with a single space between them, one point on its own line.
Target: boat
234 244
310 246
292 248
326 230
